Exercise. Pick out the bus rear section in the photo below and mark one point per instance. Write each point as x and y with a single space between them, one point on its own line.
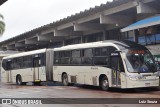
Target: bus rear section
24 67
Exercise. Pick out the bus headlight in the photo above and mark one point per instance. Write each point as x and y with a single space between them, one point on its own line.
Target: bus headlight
133 78
157 78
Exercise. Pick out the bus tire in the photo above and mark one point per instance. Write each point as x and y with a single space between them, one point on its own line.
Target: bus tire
19 80
65 79
104 84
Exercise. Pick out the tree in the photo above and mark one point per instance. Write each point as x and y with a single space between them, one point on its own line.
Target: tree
2 25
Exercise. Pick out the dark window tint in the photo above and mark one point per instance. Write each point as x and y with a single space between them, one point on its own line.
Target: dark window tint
56 61
97 52
87 56
65 60
101 51
24 62
76 60
27 61
56 57
17 63
104 61
43 59
4 64
62 57
62 54
67 54
111 49
101 56
76 53
36 62
8 65
76 57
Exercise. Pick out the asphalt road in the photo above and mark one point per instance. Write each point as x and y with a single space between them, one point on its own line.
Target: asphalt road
77 91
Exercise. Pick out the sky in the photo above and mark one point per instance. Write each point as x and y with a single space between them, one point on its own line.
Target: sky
24 15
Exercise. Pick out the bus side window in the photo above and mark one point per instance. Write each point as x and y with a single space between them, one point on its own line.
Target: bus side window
121 67
4 64
8 65
17 63
65 57
42 59
27 61
101 56
87 56
56 58
76 57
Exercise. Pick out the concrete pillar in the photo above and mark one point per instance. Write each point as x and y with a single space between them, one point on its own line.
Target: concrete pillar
136 35
81 39
104 35
63 43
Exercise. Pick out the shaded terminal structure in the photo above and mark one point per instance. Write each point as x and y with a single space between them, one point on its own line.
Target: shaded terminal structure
104 22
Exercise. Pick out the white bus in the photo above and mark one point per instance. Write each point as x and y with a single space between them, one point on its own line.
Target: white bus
106 64
121 64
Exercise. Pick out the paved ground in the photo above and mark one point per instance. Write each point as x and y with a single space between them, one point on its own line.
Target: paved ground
78 91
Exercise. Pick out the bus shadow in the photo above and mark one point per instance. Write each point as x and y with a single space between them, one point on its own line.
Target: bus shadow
87 87
112 90
51 83
119 90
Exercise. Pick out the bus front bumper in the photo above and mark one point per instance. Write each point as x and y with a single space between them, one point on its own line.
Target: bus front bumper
142 83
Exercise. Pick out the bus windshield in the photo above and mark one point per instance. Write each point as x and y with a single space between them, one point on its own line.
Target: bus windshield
140 61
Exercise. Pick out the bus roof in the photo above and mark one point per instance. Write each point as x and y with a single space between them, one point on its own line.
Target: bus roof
25 53
120 45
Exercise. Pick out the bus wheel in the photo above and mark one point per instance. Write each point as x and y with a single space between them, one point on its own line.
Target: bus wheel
104 84
19 80
65 79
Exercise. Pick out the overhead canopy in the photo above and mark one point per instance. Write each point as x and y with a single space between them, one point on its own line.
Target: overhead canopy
143 23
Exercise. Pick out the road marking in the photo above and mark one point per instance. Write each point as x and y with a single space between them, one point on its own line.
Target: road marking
73 87
37 91
59 88
23 93
8 95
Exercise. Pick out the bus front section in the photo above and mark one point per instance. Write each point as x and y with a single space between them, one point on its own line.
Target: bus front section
141 70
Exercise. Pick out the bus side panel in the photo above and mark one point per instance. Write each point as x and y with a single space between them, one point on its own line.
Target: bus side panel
49 65
84 74
26 74
42 73
4 76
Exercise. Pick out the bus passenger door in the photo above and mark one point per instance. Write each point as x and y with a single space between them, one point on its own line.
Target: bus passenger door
36 64
117 68
9 73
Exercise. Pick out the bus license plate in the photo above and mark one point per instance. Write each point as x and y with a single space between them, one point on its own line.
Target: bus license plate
147 84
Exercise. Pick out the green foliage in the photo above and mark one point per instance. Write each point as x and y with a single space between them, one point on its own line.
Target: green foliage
2 25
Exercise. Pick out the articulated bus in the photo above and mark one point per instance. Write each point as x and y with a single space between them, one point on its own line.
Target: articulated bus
121 64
